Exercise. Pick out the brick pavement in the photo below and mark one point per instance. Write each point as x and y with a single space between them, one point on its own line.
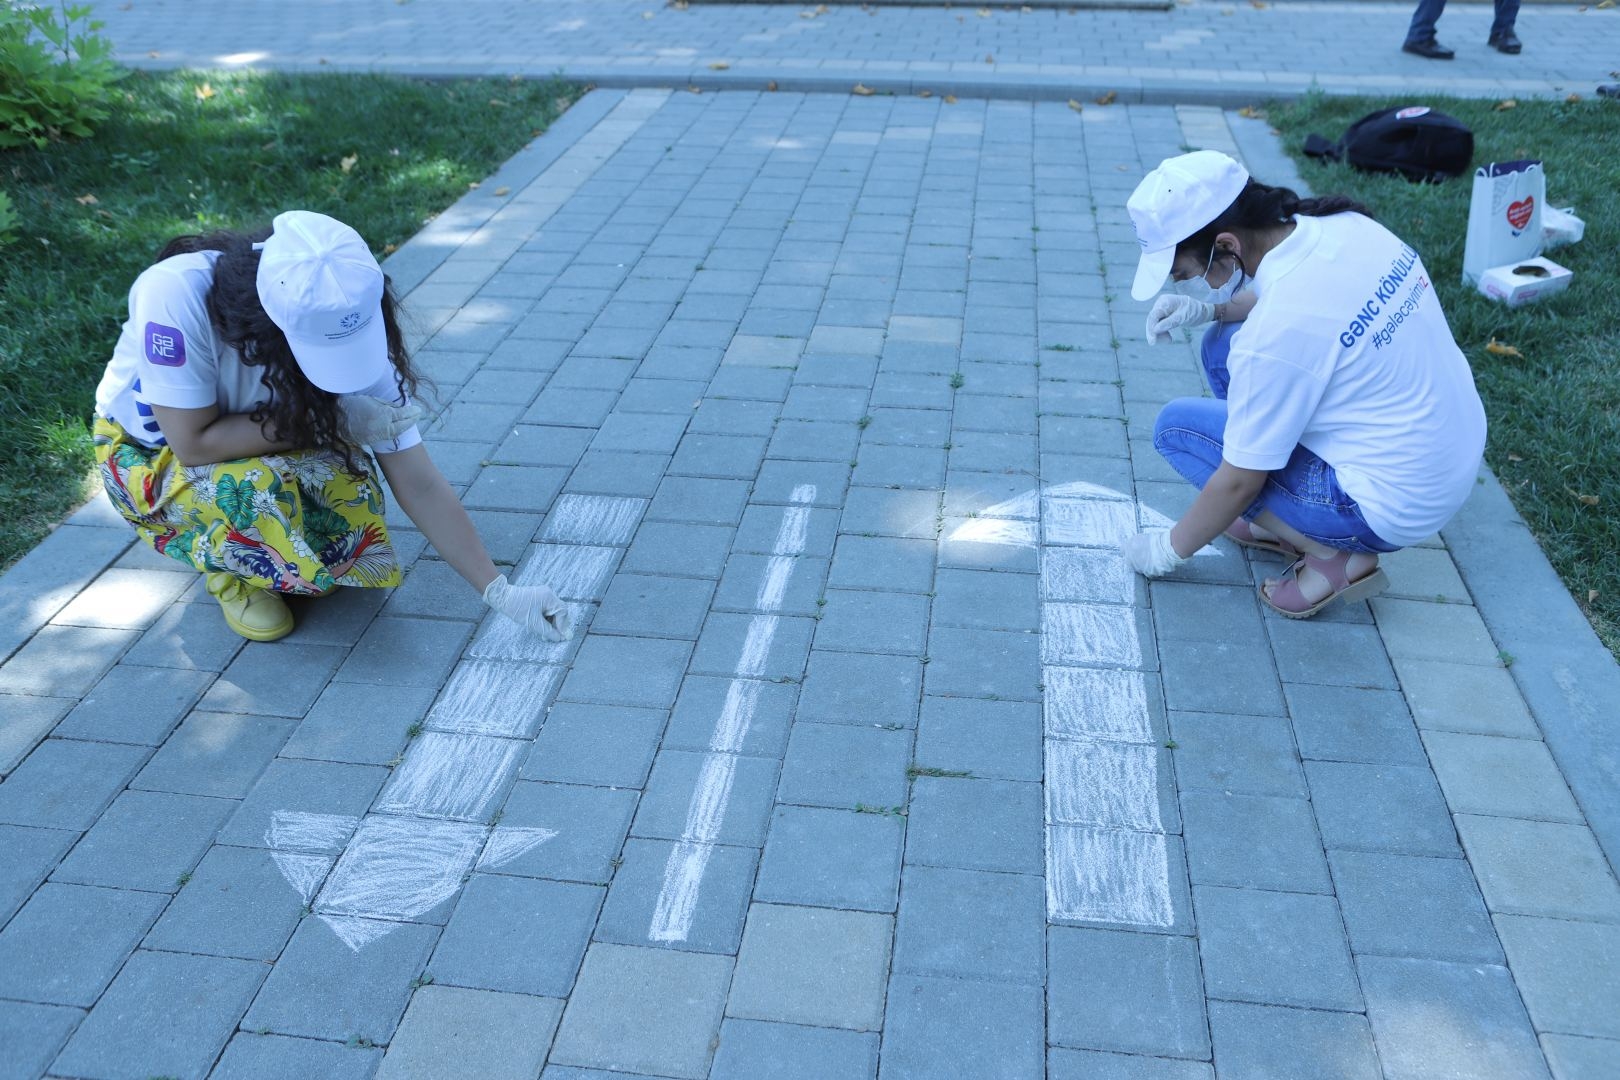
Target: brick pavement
1219 52
866 760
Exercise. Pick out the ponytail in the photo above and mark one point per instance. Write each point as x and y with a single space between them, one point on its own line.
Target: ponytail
1260 208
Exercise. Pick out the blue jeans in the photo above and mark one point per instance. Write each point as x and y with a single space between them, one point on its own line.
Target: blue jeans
1428 13
1305 493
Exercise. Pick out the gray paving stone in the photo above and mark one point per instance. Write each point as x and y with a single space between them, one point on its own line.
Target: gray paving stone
145 840
342 618
65 784
729 641
433 589
166 1014
449 1030
237 903
31 855
654 1011
28 721
696 719
1326 653
675 780
975 825
323 989
216 754
839 765
999 740
1407 905
68 942
1572 1057
884 511
682 550
1540 868
523 488
517 934
654 606
734 457
316 787
1219 677
1127 992
630 475
972 925
941 1027
268 1057
32 1034
1096 1065
858 620
1343 723
537 444
1244 755
1270 1043
1568 972
1465 697
123 599
1488 774
363 725
631 915
644 672
778 480
135 705
1254 842
188 636
63 661
743 587
908 427
590 823
273 680
1424 630
1432 1018
756 1050
901 466
605 745
985 601
1275 948
984 663
883 562
1381 808
812 966
831 858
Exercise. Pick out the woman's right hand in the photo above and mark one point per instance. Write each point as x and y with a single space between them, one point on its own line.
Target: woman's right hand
371 421
1173 310
536 608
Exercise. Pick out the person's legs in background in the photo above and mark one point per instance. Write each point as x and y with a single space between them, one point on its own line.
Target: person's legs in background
1420 35
1503 39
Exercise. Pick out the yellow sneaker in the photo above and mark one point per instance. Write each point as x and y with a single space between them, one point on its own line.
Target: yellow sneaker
256 614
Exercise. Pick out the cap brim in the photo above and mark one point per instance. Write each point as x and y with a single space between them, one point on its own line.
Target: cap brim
1151 271
348 366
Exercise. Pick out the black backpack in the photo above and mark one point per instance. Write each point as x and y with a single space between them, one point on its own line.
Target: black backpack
1415 141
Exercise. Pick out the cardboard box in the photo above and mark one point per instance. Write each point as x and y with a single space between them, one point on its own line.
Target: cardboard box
1560 227
1519 283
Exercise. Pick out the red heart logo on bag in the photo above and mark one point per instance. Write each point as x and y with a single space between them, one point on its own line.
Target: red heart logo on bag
1518 214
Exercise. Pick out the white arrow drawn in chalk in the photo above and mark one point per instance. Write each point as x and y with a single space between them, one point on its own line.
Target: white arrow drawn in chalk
432 824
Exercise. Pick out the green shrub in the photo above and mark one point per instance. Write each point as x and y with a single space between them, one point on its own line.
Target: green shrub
56 73
8 219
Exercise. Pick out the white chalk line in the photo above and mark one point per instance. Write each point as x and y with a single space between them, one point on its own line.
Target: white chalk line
688 860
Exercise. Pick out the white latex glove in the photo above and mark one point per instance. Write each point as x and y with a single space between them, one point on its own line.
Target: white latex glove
533 607
1173 310
1150 554
371 421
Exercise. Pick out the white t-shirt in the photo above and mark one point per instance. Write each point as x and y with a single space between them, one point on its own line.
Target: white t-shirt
169 354
1348 354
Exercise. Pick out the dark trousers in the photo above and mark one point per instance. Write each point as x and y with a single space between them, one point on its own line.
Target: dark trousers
1428 13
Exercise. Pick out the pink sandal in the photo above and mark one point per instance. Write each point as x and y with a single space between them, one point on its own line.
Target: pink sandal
1288 599
1242 534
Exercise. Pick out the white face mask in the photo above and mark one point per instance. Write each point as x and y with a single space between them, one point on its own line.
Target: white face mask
1199 288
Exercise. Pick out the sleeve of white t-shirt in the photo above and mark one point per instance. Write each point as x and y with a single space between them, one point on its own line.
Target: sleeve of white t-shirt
388 389
178 368
1269 403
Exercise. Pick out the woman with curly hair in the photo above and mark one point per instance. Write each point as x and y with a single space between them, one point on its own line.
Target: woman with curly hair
233 422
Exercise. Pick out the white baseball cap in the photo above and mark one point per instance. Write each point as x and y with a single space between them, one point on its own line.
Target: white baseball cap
1174 201
319 282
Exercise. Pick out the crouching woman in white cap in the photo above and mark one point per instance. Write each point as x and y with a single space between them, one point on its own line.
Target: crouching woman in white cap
233 420
1345 422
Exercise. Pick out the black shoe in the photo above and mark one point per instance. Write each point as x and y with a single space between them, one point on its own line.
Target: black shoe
1508 43
1431 49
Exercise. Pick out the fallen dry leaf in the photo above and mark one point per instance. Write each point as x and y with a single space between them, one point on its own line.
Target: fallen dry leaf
204 92
949 99
87 200
679 5
1075 105
503 191
862 90
1589 500
1515 457
1591 596
1605 5
105 214
1252 113
1108 98
989 58
154 54
389 249
1573 98
771 86
925 93
983 13
1505 104
348 162
693 90
719 65
646 14
1497 348
474 185
496 102
1259 5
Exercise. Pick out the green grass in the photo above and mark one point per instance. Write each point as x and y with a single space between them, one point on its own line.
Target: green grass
1554 413
193 151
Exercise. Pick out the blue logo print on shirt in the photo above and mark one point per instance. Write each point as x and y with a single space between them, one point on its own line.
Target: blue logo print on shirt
165 346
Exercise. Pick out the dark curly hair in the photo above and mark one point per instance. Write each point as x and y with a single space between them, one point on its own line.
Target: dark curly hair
298 411
1260 207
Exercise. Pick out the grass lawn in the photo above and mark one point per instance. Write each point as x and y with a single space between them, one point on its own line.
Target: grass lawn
1554 412
188 152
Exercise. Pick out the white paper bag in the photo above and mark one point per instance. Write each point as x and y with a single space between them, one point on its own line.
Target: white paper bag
1504 217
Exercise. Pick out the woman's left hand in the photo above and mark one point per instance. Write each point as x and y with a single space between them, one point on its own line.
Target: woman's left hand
371 421
1150 553
534 607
